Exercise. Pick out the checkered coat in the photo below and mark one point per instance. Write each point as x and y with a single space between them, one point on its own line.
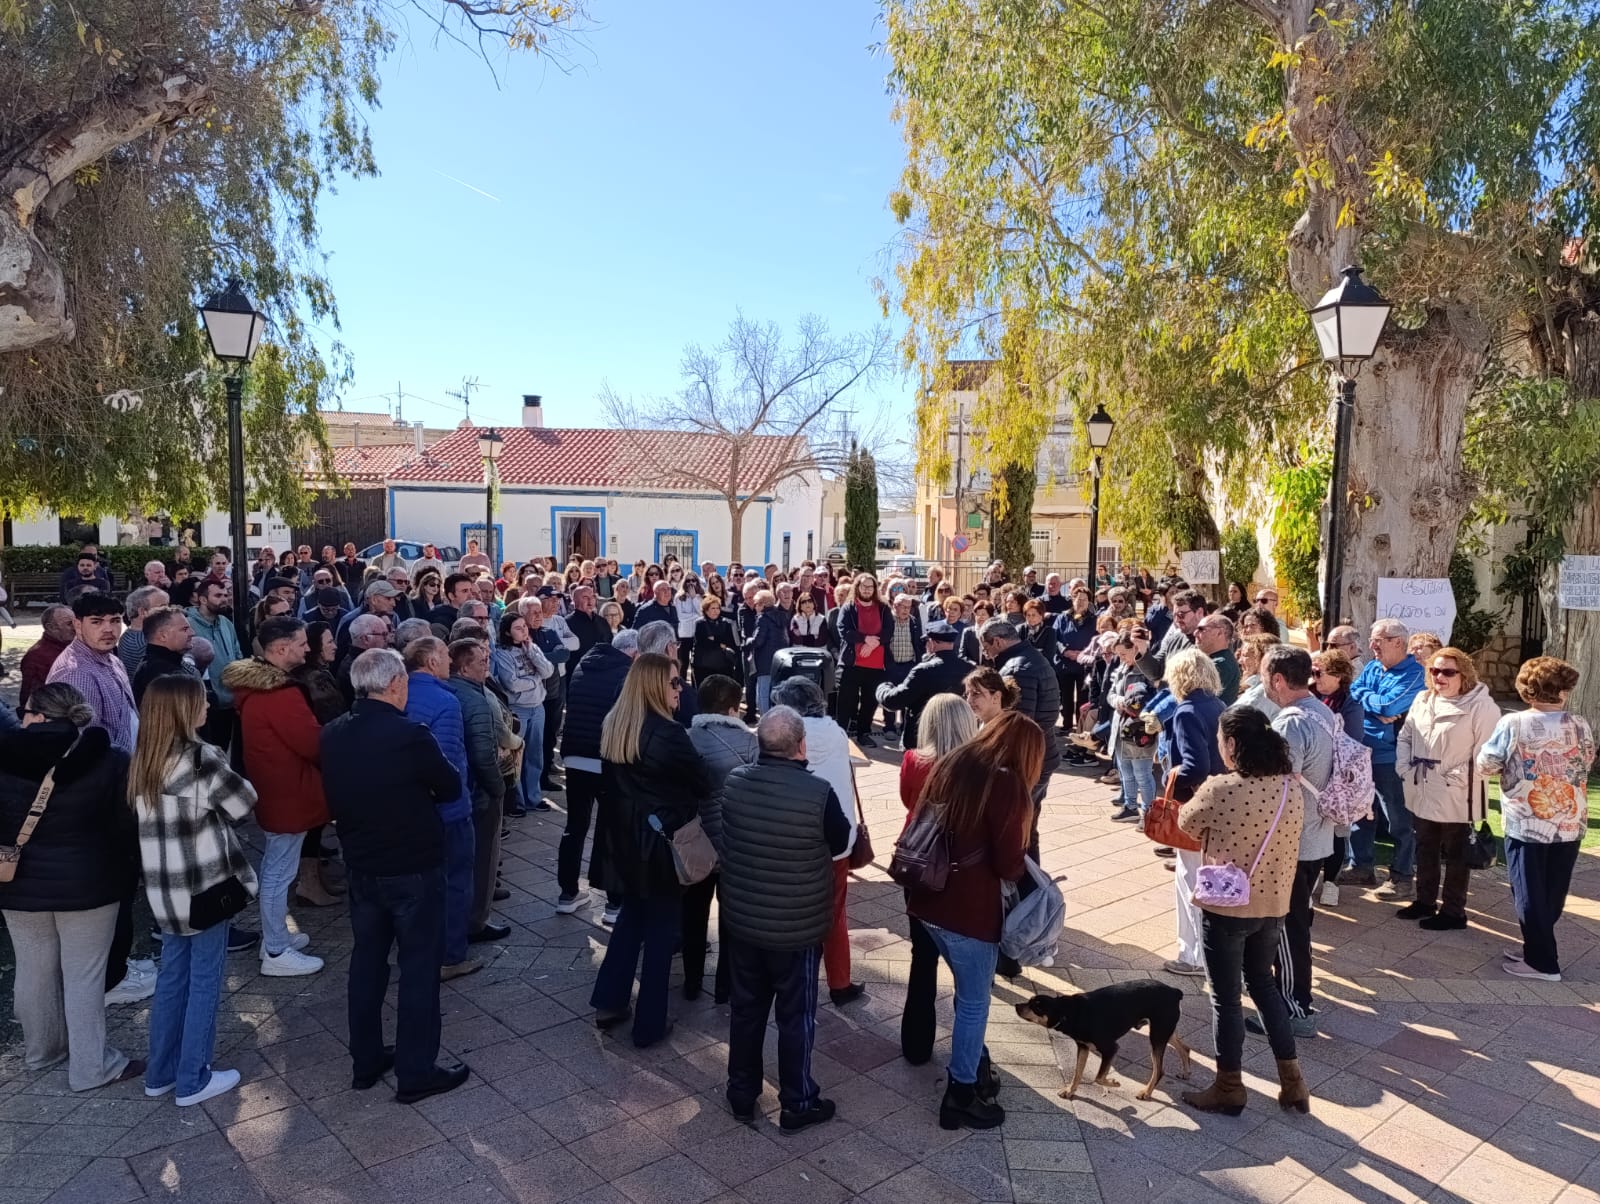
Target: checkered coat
186 841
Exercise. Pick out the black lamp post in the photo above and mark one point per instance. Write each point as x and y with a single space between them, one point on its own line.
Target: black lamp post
1100 427
1349 322
489 444
234 326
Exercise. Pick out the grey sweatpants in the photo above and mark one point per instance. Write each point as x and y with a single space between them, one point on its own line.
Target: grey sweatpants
61 991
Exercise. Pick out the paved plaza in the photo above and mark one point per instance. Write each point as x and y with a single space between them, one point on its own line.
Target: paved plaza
1436 1077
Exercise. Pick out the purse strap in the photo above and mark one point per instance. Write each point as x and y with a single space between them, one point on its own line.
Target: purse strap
42 799
1262 852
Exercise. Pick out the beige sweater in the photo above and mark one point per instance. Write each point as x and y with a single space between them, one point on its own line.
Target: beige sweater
1231 815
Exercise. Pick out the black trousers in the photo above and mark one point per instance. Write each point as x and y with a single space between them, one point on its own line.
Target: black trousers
761 982
1442 847
1073 691
121 941
1541 875
486 821
1237 948
405 910
696 920
1335 860
583 801
858 690
554 710
1291 964
917 1022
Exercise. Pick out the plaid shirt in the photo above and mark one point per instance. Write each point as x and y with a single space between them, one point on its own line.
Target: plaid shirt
186 841
103 682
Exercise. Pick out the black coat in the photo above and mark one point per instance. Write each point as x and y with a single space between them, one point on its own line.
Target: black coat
84 853
850 636
1041 695
595 687
158 662
936 673
590 629
716 650
668 781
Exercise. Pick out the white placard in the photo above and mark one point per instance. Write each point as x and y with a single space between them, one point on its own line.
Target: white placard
1201 568
1421 603
1579 583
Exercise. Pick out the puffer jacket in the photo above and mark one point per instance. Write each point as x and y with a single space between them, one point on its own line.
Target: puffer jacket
594 689
282 746
771 634
431 703
668 781
724 743
1437 746
480 737
1040 695
521 671
84 853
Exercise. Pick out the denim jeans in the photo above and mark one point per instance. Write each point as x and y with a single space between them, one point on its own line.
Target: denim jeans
763 692
650 926
183 1014
1364 834
972 963
280 863
405 910
1138 781
460 849
532 722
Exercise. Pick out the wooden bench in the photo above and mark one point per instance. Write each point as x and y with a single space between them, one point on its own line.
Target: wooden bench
41 589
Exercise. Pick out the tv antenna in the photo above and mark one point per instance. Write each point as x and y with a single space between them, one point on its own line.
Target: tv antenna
464 394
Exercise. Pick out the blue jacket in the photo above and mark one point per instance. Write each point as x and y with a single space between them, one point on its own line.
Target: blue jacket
432 704
1194 742
1386 693
558 654
594 689
771 634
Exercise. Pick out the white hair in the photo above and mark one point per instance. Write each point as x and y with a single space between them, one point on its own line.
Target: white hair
1390 629
626 640
658 637
375 670
142 599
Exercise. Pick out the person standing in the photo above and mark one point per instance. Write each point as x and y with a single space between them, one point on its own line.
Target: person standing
1214 636
280 735
211 618
903 648
1542 756
1039 699
771 634
469 670
91 666
1244 817
187 801
560 645
521 670
75 867
654 779
716 651
130 648
168 638
940 671
1385 688
57 631
1193 755
387 784
1437 751
863 625
1131 742
781 828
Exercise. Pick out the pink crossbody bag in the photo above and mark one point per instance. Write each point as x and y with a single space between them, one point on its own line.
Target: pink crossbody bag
1227 885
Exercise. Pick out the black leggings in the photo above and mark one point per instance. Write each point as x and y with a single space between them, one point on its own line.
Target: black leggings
858 690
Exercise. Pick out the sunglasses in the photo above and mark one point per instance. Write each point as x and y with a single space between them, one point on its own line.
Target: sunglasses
676 683
1446 673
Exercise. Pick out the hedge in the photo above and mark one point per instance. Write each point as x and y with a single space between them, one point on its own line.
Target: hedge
49 558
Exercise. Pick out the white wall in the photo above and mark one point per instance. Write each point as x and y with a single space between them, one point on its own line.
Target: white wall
631 521
44 527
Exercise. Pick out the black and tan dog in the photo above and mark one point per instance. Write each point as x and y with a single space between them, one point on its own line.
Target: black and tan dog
1096 1020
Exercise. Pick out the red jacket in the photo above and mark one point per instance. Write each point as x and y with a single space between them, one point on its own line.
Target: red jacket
36 662
281 746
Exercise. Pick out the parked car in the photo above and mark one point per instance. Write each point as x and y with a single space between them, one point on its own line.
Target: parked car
411 551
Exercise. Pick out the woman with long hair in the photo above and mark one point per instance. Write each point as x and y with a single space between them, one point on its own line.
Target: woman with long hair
979 796
865 625
945 724
74 873
427 593
1542 756
654 780
186 800
687 604
1241 816
320 888
521 669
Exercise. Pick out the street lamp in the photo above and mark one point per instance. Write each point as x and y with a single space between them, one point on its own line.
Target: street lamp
234 327
490 444
1349 322
1100 427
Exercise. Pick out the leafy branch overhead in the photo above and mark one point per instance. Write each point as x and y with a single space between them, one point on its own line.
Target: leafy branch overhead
149 150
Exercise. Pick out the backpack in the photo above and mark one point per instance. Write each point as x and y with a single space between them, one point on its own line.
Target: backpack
1348 795
1031 932
921 858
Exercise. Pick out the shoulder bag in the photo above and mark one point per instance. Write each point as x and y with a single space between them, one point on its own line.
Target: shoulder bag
221 901
694 857
1482 848
1161 821
861 852
11 854
1227 885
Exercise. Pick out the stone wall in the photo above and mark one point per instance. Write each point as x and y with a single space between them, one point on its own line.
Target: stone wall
1498 664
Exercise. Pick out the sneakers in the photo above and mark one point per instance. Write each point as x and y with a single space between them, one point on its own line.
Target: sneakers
220 1081
1399 889
1184 968
1128 815
568 905
608 917
1330 894
1521 969
136 986
291 963
793 1122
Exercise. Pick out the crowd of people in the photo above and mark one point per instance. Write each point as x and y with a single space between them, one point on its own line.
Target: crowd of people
410 711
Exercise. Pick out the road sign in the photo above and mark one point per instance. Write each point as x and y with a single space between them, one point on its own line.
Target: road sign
960 543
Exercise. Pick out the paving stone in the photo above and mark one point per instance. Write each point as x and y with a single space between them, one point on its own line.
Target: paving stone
620 1149
797 1182
103 1181
671 1180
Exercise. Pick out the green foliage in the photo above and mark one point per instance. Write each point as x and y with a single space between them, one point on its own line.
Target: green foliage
1298 493
861 510
52 558
1012 525
1473 628
1240 555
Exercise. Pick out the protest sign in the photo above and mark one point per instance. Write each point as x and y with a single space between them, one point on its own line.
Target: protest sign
1421 603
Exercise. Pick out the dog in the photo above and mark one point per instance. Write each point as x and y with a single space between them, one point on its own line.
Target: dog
1096 1020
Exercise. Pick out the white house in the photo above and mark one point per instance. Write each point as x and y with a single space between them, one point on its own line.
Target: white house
622 494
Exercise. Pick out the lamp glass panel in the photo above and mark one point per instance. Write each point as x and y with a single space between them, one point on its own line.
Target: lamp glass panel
232 335
1362 328
1325 322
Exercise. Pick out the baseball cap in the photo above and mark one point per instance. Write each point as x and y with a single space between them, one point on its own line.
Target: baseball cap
379 588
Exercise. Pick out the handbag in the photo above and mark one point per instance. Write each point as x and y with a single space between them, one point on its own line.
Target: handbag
1161 821
694 857
861 854
1227 885
218 903
11 854
1482 848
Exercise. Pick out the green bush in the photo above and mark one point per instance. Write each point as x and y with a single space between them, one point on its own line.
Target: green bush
1473 628
1241 556
126 562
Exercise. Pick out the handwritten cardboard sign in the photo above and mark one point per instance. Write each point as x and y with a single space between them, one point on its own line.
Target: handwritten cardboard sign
1579 583
1201 568
1421 603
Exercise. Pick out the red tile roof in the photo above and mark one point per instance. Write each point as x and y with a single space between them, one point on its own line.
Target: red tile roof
596 459
370 465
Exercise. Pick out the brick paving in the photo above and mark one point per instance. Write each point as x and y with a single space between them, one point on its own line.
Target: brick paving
1436 1077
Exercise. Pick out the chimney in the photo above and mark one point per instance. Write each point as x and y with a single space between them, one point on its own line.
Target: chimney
532 412
417 436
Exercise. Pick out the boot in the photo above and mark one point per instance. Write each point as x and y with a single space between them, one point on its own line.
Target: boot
988 1085
961 1106
1294 1092
308 891
1226 1094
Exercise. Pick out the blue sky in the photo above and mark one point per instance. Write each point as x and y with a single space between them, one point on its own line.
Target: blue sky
694 161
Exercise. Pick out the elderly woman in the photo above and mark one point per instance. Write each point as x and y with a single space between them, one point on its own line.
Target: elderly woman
1542 756
1444 731
828 756
1252 692
1193 755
